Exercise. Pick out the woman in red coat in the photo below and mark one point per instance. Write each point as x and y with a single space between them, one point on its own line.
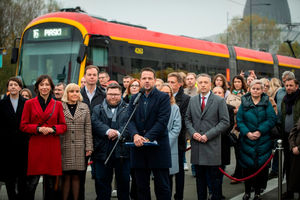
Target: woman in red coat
43 119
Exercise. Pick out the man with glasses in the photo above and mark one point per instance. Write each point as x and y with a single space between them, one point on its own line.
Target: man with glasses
103 80
108 120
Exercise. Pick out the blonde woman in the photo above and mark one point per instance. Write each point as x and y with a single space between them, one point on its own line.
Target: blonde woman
174 127
26 93
275 85
77 142
266 90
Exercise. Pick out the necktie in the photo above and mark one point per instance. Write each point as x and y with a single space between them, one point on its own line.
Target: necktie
202 104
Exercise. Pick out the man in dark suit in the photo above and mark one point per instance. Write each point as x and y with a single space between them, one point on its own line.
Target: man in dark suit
149 123
92 96
108 121
182 100
206 118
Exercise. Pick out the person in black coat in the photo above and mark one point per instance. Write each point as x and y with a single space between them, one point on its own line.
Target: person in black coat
108 120
149 123
182 100
92 96
13 142
225 139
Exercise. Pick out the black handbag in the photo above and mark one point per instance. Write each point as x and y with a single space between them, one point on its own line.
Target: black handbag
275 132
233 139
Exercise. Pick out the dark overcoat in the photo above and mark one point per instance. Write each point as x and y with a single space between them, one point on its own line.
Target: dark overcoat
225 140
97 98
182 100
150 121
101 123
250 118
13 142
294 141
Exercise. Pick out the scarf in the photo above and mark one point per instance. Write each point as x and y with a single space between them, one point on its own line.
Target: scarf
109 113
289 100
236 92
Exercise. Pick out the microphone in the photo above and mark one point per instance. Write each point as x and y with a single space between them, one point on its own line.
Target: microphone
141 92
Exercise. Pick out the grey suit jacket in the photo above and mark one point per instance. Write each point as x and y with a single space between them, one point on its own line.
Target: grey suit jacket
212 122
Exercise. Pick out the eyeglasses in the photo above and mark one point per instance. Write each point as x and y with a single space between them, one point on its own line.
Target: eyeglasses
133 85
113 95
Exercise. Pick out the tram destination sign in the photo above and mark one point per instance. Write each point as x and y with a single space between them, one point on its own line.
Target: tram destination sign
40 34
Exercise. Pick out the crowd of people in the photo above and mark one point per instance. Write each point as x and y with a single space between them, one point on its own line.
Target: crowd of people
66 127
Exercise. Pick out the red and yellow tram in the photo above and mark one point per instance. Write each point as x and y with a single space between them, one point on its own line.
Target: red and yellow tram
61 44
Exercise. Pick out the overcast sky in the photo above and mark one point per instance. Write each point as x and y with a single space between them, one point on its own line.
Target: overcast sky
195 18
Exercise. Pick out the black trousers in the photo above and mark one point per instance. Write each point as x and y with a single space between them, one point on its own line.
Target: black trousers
287 161
258 182
161 184
32 182
179 177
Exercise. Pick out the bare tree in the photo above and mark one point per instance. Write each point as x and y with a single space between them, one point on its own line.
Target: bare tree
265 33
16 14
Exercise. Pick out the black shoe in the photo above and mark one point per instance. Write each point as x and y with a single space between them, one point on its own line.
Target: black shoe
246 196
287 196
257 197
223 197
272 175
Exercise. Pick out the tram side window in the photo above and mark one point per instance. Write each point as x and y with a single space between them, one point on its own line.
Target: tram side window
262 70
294 70
197 63
97 56
138 64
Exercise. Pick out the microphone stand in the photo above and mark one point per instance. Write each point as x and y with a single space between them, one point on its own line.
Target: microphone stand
121 134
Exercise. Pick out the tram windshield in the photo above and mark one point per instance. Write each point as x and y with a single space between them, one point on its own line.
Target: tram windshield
50 48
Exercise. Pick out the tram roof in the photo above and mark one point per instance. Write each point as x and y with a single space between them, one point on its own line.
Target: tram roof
136 35
288 61
253 55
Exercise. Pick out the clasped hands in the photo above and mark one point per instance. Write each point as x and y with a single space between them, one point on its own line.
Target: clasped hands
46 130
200 138
112 134
139 140
296 151
253 135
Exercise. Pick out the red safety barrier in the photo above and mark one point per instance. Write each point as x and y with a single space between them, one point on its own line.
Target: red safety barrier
248 177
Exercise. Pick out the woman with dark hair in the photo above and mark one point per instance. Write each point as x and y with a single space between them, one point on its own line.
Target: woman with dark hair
44 120
237 90
132 89
255 119
13 164
219 80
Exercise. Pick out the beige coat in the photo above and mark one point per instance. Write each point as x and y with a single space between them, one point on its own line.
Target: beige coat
191 92
234 100
78 138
